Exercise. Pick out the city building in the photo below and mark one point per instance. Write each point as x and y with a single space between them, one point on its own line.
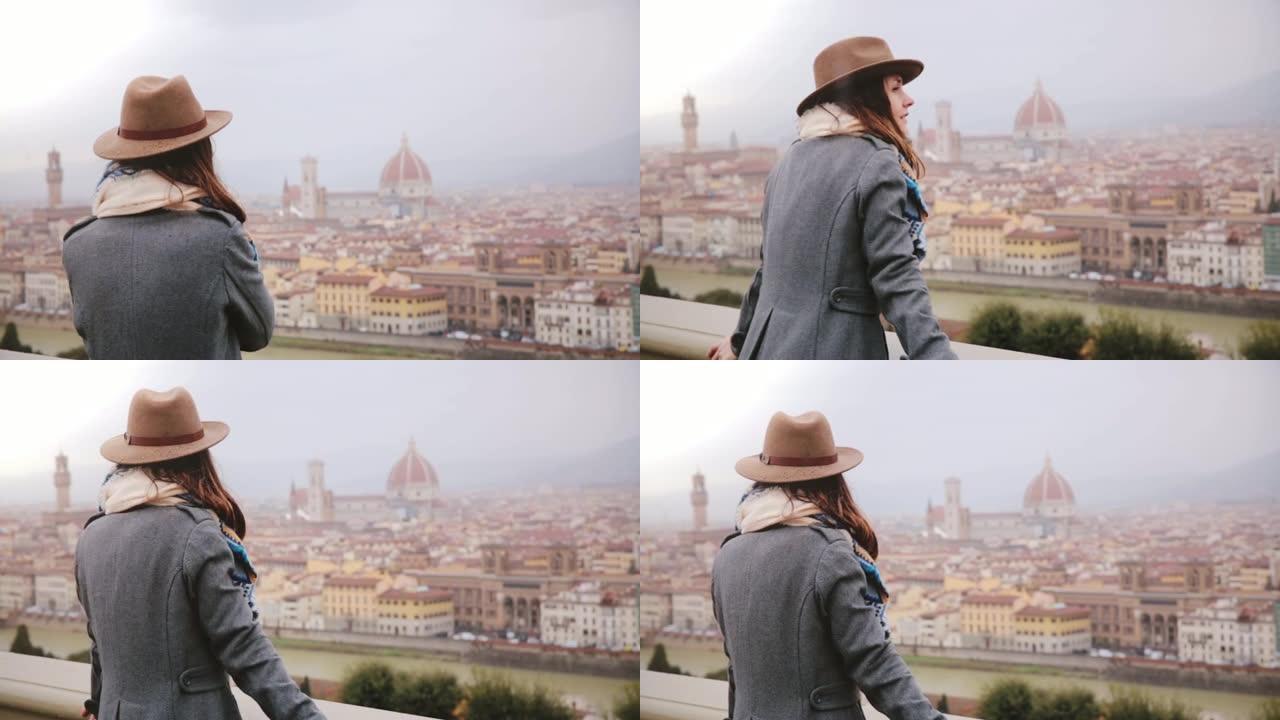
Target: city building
412 310
977 241
698 498
1270 255
1044 252
1213 255
586 316
12 278
53 177
404 191
590 616
987 621
17 589
343 300
46 290
414 613
351 602
1058 630
1039 133
1048 509
295 308
62 483
1229 632
412 491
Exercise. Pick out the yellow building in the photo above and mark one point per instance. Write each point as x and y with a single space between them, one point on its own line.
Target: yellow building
1047 252
1053 630
980 237
343 300
986 621
351 602
413 310
417 613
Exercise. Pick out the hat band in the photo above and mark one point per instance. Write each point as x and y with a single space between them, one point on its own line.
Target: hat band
163 134
797 461
159 441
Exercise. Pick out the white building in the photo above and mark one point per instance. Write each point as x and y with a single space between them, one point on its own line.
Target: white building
17 590
296 308
47 290
655 610
939 628
11 278
1213 256
301 611
588 616
582 316
56 592
1228 633
691 610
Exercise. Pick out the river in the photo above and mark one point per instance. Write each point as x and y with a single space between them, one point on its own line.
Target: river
966 683
1223 332
599 692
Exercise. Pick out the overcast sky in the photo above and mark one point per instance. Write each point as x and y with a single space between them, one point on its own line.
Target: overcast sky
472 83
489 417
1130 426
747 60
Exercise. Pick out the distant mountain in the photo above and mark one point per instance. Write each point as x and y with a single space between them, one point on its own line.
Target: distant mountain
613 163
1255 479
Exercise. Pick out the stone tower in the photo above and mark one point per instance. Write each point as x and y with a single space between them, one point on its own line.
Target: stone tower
953 512
699 500
315 491
62 481
689 121
946 149
53 176
311 207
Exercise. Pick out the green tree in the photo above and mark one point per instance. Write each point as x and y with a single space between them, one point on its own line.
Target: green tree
720 296
434 694
627 707
1006 700
943 705
721 674
1261 341
1067 704
1268 710
1057 334
10 340
305 687
659 662
997 325
81 656
495 697
371 684
1130 704
1122 336
22 645
649 284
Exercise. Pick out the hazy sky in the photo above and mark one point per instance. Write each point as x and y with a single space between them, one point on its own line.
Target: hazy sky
984 55
474 84
988 423
356 416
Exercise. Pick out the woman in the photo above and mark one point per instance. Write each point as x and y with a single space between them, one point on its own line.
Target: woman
164 268
843 223
166 583
796 590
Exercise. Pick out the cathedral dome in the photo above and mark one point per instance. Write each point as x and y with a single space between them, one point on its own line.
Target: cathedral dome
1039 112
1048 488
412 476
405 173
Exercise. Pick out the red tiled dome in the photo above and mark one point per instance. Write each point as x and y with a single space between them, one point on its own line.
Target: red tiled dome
410 470
1038 111
404 167
1048 488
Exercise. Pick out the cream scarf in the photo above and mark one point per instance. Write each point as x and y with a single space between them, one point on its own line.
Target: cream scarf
133 487
763 508
141 191
827 119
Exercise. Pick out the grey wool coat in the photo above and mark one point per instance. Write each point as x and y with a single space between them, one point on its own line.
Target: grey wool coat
800 637
167 285
167 624
837 253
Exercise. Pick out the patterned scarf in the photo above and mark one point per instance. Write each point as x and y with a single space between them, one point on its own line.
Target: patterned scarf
829 119
764 506
129 487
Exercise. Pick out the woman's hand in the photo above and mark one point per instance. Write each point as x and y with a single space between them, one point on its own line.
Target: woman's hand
722 351
84 713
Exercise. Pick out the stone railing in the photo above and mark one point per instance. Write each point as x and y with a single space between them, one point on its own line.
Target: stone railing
679 697
11 355
35 687
680 329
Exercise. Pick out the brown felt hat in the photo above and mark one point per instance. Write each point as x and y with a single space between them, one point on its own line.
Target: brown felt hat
158 115
857 56
798 448
163 426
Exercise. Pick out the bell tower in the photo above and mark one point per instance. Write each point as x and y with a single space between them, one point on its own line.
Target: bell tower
699 500
689 121
62 482
53 176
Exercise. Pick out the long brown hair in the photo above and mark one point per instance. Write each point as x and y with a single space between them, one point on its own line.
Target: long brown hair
193 165
831 495
864 97
198 476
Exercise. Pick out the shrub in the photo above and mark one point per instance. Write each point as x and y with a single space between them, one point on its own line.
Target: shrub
1006 700
1262 341
1059 334
371 684
720 296
649 285
997 325
434 694
10 341
659 662
494 697
75 353
1268 710
1122 336
721 674
1129 704
627 707
1068 704
81 656
21 644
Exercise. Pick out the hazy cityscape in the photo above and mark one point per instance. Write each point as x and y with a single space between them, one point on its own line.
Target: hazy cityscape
1045 189
1028 559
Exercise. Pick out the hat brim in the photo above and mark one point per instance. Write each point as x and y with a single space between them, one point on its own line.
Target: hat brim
119 451
110 146
752 468
908 68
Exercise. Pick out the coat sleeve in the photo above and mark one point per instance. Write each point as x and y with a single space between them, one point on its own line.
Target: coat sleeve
893 268
237 641
715 609
874 665
248 301
95 662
